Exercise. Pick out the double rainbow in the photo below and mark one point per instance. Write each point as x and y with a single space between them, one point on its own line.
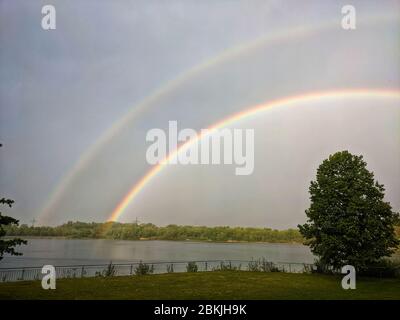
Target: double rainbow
174 84
288 101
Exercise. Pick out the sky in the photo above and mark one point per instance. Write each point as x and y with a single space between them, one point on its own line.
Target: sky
76 104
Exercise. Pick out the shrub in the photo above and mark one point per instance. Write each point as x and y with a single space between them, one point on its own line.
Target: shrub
226 267
266 266
191 267
109 271
262 265
308 268
170 268
143 269
253 266
321 267
383 268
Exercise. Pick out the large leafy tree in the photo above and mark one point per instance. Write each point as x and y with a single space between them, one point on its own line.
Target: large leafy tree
348 220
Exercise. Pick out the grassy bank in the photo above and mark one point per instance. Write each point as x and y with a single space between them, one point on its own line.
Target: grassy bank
207 285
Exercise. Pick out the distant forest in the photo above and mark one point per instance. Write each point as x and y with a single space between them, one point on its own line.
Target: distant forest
149 231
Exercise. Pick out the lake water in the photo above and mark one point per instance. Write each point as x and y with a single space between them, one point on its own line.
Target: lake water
63 252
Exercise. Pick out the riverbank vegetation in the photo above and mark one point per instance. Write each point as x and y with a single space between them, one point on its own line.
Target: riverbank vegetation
149 231
207 285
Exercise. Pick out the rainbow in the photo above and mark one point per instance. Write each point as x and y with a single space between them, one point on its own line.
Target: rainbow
288 101
160 93
170 86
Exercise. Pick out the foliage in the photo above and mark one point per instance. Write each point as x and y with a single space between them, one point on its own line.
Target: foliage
192 267
143 269
383 268
262 265
148 231
8 246
170 268
321 267
308 268
109 271
348 220
226 266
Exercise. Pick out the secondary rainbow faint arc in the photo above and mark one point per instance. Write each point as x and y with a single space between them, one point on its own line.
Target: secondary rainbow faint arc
171 85
287 101
164 90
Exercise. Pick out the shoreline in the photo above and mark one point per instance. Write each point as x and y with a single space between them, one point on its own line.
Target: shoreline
148 239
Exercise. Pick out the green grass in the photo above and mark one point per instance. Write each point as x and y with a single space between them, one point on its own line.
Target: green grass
207 285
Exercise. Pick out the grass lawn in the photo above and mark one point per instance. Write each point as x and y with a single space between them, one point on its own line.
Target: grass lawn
207 285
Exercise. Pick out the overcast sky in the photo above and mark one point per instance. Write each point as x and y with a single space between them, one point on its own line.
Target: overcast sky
61 90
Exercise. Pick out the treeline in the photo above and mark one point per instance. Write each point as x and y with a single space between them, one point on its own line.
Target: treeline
149 231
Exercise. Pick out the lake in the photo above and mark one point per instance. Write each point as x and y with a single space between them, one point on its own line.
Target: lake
63 252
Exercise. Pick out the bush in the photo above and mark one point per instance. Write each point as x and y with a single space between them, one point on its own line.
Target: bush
262 265
253 266
383 268
226 267
143 269
308 268
191 267
107 272
321 267
170 268
266 266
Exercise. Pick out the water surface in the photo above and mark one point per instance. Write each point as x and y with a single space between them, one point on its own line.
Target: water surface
63 252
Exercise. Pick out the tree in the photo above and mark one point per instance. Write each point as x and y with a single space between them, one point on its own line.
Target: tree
7 246
348 220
